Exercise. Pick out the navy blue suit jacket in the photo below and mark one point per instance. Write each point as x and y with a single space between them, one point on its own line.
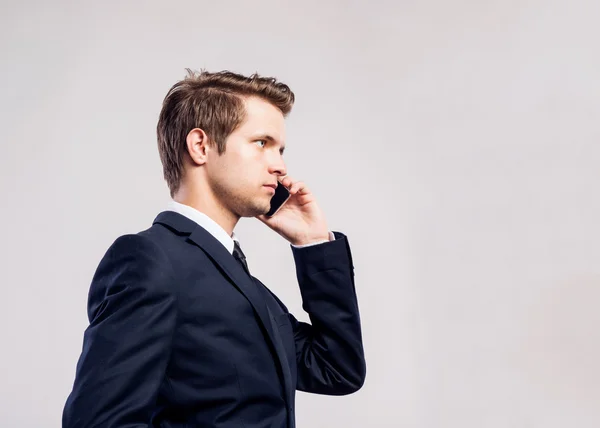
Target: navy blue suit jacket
181 336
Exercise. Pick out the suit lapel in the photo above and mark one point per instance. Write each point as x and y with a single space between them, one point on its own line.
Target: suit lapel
281 353
238 277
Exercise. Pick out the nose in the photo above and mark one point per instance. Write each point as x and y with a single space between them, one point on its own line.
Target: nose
278 168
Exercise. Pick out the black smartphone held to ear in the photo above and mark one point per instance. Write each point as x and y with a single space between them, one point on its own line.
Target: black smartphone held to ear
279 198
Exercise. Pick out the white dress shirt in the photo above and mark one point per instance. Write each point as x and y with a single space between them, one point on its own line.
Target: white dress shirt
215 229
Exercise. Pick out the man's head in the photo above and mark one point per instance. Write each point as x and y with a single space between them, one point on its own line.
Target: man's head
221 138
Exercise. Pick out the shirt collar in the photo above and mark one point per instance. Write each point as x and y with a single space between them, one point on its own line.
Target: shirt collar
206 222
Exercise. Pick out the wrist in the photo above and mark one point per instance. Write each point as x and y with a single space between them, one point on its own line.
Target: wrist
313 240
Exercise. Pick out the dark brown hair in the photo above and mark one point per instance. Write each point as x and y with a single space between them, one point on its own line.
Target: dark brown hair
214 103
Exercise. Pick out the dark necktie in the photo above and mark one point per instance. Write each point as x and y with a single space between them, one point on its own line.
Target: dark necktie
267 300
239 256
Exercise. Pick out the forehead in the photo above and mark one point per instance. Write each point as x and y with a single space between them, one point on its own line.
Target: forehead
263 117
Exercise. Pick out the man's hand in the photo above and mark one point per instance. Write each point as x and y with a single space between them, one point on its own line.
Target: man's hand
299 220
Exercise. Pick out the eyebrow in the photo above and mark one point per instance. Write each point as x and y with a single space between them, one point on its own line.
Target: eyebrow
271 139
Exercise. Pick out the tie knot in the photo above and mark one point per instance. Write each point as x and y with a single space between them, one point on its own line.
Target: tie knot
238 254
237 251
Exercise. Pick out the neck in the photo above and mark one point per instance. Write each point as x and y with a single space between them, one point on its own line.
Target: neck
205 202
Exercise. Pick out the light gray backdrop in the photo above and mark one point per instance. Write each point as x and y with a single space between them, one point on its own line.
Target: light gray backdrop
454 142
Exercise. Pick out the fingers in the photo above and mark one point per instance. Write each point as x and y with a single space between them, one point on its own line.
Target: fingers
298 187
286 181
294 186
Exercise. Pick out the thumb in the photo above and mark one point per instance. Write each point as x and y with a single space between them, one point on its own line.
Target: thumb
264 218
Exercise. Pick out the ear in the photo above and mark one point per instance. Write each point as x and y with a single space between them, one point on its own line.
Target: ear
197 146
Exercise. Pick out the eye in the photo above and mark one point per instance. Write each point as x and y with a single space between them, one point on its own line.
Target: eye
262 141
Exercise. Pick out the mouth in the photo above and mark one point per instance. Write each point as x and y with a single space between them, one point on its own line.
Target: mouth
270 188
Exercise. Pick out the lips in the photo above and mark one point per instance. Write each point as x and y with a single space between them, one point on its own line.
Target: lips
273 186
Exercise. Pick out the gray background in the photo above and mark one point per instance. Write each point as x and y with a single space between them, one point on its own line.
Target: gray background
454 142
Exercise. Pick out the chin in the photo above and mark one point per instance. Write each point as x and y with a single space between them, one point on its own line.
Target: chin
265 209
255 209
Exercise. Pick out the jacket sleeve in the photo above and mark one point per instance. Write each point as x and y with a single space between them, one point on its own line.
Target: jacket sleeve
132 314
329 351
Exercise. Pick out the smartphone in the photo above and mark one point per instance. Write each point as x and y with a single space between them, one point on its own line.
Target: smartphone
279 198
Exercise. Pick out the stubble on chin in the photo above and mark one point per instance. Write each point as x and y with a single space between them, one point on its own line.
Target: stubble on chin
255 208
243 205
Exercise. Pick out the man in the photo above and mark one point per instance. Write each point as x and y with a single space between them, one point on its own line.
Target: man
181 334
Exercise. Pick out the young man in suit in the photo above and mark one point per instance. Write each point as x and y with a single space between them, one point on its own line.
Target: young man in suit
181 334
